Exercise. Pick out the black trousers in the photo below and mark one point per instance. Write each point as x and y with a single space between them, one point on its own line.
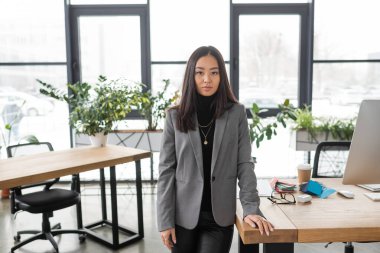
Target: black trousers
206 237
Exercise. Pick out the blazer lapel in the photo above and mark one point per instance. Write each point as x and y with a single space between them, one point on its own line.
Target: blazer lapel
220 125
196 144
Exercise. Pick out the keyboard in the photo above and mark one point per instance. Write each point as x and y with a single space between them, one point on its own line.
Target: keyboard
374 196
264 188
371 187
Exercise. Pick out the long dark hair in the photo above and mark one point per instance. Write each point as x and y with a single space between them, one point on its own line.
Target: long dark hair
224 97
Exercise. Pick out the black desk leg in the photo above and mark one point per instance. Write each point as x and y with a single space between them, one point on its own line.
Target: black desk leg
248 248
151 168
76 187
115 220
278 247
140 217
103 194
151 159
115 243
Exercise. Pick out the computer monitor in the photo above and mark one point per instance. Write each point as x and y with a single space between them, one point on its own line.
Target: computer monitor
363 164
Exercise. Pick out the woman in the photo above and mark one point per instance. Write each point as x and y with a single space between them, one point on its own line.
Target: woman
205 148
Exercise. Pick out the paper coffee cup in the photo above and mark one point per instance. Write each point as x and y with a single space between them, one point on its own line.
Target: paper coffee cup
304 172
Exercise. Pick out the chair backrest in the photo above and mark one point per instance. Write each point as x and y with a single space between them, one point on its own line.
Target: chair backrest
330 159
28 149
23 150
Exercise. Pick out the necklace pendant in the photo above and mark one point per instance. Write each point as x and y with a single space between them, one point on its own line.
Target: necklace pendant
205 142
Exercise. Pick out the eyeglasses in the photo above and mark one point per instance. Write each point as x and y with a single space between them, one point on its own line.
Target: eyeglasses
282 198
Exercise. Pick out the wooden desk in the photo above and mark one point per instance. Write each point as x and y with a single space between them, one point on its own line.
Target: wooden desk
39 167
335 219
285 233
137 138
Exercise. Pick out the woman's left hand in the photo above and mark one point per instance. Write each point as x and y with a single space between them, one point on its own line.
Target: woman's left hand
257 221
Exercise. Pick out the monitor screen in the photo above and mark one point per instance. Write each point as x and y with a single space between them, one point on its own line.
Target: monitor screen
363 164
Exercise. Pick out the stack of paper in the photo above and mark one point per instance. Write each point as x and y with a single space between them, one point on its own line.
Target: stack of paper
281 186
286 187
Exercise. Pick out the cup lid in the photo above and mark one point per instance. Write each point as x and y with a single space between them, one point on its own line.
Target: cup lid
304 166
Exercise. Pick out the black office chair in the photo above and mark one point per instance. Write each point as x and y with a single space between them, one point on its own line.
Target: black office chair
41 201
330 161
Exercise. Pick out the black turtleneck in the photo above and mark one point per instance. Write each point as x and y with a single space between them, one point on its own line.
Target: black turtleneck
205 113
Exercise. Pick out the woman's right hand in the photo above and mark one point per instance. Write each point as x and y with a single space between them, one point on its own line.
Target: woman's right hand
168 237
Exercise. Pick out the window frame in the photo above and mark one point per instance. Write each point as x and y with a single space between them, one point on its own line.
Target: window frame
305 10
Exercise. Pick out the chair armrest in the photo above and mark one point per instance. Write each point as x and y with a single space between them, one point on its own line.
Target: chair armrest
50 183
47 184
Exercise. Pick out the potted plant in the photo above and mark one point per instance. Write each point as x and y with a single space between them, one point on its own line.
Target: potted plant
308 134
309 130
94 108
258 131
152 106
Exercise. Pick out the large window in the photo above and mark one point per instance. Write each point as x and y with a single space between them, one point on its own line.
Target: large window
179 27
269 48
270 52
270 64
110 46
111 40
346 56
339 88
32 45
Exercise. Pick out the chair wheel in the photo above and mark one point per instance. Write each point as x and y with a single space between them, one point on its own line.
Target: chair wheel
82 238
17 238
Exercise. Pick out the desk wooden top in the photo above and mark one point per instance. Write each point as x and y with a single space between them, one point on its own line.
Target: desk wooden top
284 231
336 218
43 166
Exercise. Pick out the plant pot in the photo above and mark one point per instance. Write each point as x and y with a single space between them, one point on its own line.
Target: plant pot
303 141
99 139
137 138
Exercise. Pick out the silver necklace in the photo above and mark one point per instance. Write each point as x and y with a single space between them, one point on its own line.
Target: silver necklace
205 142
207 124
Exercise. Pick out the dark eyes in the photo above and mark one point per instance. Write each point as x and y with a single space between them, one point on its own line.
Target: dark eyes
213 73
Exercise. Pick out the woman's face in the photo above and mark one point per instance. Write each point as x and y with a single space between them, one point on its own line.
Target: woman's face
207 78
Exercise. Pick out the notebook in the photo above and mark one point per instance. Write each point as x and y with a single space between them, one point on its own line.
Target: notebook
264 188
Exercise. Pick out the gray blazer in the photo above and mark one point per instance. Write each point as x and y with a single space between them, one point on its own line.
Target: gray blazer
180 182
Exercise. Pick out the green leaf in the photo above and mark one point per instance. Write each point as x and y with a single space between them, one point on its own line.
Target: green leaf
268 133
257 143
31 139
255 108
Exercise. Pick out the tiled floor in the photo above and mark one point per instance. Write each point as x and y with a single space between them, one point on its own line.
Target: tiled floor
128 218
